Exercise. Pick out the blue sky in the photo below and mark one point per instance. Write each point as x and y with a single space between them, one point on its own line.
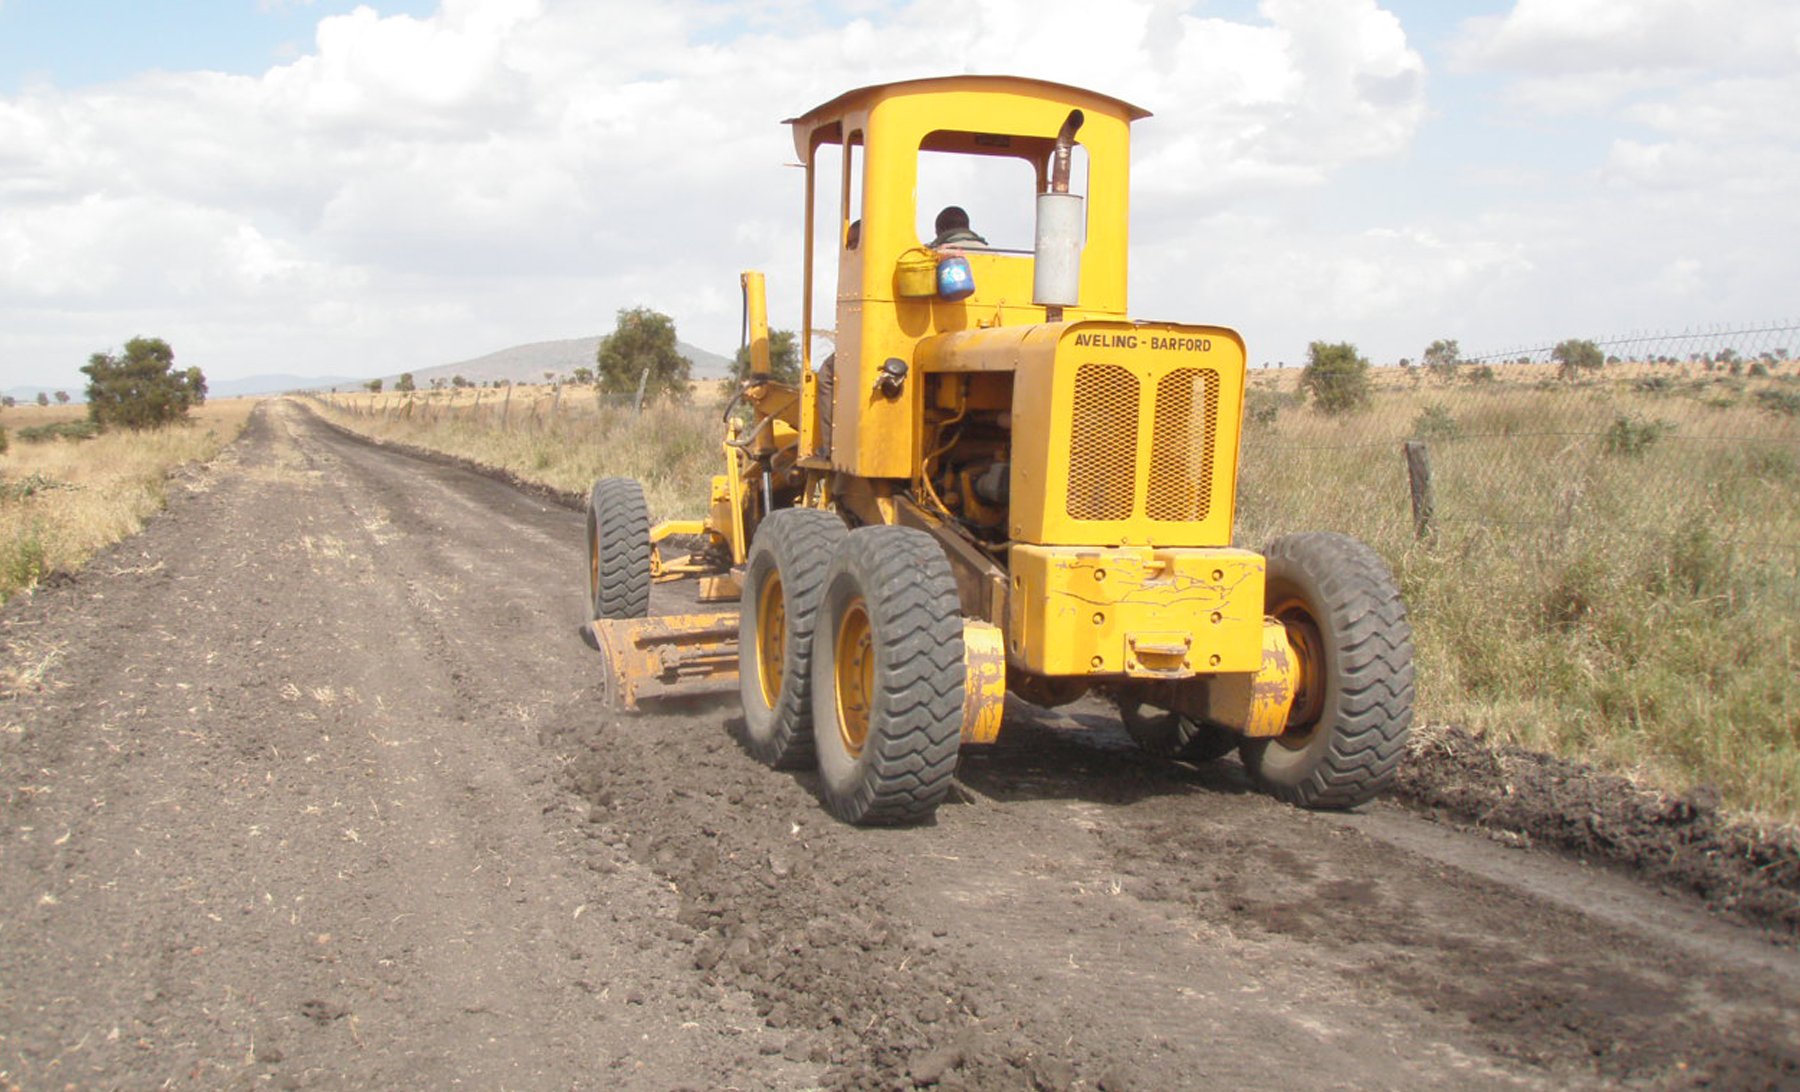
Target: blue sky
75 43
331 188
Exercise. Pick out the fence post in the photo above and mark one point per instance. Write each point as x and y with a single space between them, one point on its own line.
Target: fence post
638 405
555 405
506 408
1418 474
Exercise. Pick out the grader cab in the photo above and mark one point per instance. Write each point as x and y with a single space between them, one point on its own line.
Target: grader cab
996 481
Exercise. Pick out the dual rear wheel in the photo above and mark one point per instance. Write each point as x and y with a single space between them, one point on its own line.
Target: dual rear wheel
851 654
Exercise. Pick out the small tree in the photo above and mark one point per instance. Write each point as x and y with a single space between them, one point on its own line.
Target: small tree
405 383
141 388
1336 376
643 345
1442 357
459 382
582 375
784 359
1576 356
62 398
43 398
374 386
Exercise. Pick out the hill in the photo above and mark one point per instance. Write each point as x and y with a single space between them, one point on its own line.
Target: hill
528 363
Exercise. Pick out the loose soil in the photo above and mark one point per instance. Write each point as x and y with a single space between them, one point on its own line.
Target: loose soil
310 785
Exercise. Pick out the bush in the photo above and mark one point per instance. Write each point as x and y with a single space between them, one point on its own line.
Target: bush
1576 356
61 430
140 388
1435 422
1336 376
1786 403
1631 436
1481 373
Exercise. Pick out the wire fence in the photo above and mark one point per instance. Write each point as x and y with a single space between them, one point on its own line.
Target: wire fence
1676 435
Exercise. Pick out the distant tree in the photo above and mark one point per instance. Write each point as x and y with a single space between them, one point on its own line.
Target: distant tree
1336 376
437 382
1442 357
405 382
643 345
8 401
374 385
1576 356
582 375
43 398
62 398
784 359
141 388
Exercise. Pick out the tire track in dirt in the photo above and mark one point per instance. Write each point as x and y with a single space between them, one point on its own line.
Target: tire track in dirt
273 817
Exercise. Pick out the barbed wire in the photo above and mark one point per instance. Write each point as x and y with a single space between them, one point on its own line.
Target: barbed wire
1775 340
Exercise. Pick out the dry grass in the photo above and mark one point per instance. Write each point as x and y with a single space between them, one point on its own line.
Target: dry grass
61 501
1615 574
561 440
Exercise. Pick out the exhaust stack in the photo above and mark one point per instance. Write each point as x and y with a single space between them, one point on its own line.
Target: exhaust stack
1056 272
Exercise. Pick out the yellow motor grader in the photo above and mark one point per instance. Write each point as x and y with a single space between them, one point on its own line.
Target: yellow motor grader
996 481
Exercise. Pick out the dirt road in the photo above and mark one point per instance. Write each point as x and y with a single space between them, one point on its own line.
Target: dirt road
309 786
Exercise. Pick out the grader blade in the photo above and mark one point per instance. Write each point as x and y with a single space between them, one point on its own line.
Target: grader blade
676 655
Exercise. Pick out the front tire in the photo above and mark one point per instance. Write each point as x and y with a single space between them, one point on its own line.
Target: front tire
1353 707
618 540
888 677
783 577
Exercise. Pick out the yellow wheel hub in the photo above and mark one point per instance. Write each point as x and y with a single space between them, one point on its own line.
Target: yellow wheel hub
771 637
854 675
1309 653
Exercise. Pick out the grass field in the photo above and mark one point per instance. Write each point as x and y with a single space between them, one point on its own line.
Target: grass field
62 500
1614 573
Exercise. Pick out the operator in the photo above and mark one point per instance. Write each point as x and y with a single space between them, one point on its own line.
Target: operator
953 230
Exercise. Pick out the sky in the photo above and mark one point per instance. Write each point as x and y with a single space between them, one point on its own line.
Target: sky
319 187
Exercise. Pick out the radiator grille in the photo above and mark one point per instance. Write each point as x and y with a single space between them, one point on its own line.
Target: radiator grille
1181 452
1103 443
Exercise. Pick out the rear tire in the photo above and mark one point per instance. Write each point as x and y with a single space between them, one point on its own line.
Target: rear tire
1353 708
618 539
783 577
1168 734
888 677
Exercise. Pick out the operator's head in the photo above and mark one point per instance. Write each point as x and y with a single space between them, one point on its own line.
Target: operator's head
951 218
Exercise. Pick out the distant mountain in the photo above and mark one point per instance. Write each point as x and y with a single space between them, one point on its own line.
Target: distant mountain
275 384
528 363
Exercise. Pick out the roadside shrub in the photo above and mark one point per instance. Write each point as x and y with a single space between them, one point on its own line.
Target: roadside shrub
1759 370
22 560
1786 403
28 486
1336 376
1435 422
1481 373
1631 436
61 430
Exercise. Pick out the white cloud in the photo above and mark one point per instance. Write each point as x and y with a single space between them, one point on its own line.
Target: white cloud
414 190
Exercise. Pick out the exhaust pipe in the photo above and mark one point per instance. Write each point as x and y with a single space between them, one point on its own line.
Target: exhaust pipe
1056 270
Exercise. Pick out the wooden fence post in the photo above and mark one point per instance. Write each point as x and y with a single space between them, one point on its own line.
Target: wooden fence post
1418 474
506 408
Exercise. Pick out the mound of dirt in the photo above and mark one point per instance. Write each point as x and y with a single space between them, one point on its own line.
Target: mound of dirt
1679 841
